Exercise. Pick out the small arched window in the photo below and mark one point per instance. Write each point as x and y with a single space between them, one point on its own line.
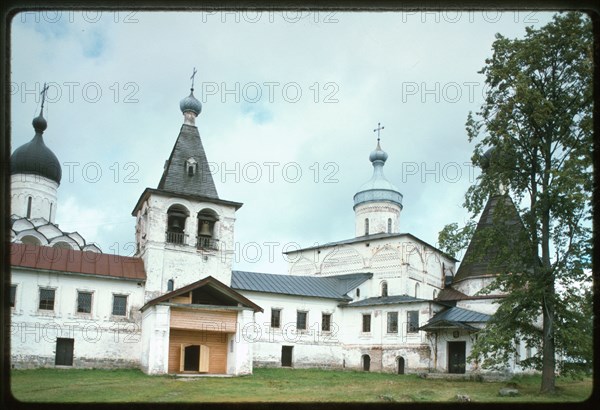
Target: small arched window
170 285
29 200
366 226
357 292
434 294
416 290
191 166
50 213
389 225
384 289
30 240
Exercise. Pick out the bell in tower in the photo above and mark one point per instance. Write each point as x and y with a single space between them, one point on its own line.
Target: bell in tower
205 229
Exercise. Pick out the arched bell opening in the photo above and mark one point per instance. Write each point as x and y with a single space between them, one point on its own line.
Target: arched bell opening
176 219
207 220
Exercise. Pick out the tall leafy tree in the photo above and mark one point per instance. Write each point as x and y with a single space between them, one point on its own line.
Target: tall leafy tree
537 115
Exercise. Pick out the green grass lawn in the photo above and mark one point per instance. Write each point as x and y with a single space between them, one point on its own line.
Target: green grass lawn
291 385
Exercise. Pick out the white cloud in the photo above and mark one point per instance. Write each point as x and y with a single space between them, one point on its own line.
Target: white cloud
373 67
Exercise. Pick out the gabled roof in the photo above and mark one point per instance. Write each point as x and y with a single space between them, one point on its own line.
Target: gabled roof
78 262
368 238
448 294
206 282
328 287
456 317
475 264
385 300
175 177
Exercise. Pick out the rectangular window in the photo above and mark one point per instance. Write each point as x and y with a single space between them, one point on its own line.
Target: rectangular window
275 318
301 320
392 322
13 295
326 322
366 325
84 302
412 320
119 305
46 299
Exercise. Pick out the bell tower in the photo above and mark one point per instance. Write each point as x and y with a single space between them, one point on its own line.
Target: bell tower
184 231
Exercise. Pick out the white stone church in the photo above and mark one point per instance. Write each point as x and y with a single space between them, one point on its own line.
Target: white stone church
381 301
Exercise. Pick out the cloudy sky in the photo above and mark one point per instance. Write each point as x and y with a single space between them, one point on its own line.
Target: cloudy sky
290 101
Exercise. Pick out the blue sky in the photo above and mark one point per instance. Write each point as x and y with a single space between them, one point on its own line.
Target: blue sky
290 102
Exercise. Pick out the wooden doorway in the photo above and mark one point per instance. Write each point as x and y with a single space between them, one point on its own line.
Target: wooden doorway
286 356
64 352
194 358
456 357
400 365
366 362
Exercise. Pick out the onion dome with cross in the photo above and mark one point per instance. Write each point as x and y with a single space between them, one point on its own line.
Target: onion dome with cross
378 202
35 157
190 106
378 188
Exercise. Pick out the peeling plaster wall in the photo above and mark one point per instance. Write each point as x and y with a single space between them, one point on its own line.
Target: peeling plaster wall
344 346
378 214
100 339
402 262
183 263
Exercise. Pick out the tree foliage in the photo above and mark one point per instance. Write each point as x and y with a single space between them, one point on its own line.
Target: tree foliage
538 117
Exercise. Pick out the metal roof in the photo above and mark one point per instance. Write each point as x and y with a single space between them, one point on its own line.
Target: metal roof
477 263
75 261
385 300
330 287
34 157
456 317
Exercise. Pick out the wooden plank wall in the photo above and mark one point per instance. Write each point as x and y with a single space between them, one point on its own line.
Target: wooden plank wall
216 342
207 320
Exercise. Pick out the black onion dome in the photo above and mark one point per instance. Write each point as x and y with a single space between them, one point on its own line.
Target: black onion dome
487 158
35 157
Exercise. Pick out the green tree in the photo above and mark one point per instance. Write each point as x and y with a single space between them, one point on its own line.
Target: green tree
537 115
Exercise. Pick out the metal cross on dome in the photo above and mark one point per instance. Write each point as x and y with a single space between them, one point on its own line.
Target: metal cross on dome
43 93
378 130
192 77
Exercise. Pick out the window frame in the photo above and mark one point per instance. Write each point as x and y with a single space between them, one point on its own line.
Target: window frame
411 325
12 299
278 324
116 295
328 322
392 327
40 309
82 291
384 289
366 322
299 313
